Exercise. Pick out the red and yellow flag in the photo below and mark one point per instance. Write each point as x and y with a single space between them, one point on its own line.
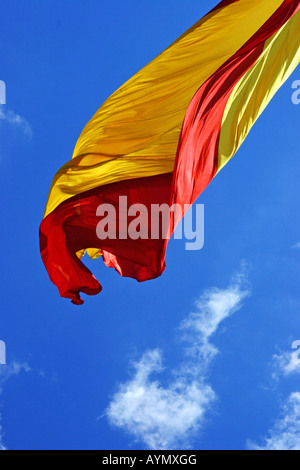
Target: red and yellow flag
165 134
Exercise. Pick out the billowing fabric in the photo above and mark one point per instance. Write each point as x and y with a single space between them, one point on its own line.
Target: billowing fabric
165 134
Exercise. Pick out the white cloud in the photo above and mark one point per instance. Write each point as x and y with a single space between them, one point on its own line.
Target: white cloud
6 372
8 116
166 417
285 363
213 307
161 417
286 433
297 246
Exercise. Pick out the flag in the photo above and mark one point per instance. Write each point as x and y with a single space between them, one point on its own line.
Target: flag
164 135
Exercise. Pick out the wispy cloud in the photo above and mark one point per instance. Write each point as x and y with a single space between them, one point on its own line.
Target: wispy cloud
286 433
285 363
9 117
297 246
166 417
6 372
213 307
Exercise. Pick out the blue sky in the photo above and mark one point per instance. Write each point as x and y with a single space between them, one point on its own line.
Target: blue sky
200 358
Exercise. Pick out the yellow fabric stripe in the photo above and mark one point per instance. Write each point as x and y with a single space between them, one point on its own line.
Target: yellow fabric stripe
135 133
255 90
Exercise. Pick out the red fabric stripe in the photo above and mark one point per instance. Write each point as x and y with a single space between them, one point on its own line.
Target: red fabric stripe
197 155
72 227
